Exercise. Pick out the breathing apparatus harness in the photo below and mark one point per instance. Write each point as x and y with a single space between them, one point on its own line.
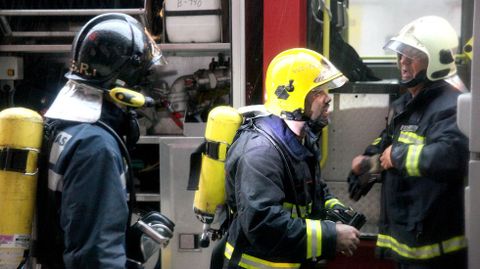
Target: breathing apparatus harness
347 216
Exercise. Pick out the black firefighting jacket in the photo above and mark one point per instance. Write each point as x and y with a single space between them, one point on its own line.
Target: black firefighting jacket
83 221
422 213
267 231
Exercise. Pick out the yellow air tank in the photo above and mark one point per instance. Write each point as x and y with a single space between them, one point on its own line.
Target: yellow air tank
20 140
222 125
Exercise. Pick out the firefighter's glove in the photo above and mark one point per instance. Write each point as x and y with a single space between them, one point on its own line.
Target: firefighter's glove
370 173
346 216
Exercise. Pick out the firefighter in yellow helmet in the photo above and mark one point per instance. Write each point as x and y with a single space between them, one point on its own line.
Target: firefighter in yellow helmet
273 183
423 153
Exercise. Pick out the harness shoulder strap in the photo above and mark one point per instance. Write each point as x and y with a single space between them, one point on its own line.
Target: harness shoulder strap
287 163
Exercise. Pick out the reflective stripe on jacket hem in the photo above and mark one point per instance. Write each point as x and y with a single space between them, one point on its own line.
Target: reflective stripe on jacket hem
423 252
250 262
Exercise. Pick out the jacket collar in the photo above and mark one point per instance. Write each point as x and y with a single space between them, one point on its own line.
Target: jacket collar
276 127
114 117
429 92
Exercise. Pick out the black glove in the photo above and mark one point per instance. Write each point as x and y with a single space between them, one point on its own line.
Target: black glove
370 173
359 186
346 216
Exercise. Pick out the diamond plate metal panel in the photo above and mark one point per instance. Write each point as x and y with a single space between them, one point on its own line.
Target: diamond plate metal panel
356 120
368 205
177 202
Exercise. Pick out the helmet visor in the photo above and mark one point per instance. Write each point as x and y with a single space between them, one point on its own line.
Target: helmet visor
157 57
330 77
405 50
337 82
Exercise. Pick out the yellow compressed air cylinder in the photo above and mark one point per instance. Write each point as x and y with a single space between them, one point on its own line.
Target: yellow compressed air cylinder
222 125
21 132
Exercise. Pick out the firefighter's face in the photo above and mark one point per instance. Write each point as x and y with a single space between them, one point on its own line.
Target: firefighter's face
317 104
410 67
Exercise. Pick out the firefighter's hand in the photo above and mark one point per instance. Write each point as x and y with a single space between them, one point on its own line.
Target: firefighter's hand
356 164
348 239
386 159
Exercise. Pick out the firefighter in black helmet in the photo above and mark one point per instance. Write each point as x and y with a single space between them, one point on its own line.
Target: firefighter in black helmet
84 213
113 50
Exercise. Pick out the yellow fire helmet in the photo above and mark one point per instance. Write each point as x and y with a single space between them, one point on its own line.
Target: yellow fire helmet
291 75
433 36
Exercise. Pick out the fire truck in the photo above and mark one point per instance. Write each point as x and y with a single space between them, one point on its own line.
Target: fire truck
218 52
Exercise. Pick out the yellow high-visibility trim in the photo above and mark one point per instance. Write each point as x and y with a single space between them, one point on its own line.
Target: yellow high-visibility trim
423 252
305 210
288 206
411 138
412 160
376 141
228 251
314 238
309 238
251 262
332 202
454 244
318 227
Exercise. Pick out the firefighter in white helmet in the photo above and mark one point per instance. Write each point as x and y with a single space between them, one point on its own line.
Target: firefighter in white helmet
273 179
423 153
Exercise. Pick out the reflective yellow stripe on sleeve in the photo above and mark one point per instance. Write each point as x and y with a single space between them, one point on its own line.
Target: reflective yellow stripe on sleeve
314 238
251 262
422 252
411 138
305 210
412 160
332 202
376 141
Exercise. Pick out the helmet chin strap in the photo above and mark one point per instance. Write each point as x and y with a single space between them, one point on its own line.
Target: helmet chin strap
317 125
133 128
419 78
